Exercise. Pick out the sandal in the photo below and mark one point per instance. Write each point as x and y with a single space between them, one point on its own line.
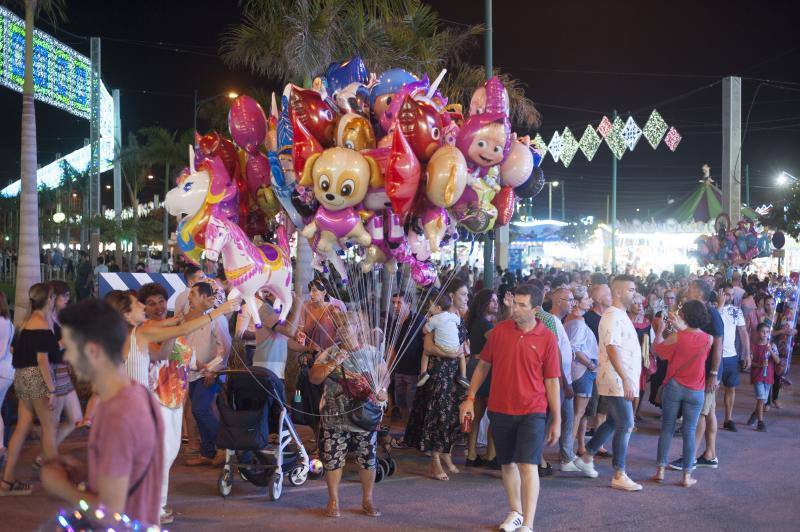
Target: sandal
14 488
370 510
438 476
332 509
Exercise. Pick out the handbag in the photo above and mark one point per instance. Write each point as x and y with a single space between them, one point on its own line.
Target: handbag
365 414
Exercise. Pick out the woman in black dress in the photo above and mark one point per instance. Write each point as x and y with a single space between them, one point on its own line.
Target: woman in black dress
434 425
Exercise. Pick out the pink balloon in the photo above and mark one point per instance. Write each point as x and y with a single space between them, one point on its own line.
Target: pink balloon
247 123
257 171
496 96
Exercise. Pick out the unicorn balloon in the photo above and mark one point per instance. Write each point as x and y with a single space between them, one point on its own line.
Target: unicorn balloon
248 268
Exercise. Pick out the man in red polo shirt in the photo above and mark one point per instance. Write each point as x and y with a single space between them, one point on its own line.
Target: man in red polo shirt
523 355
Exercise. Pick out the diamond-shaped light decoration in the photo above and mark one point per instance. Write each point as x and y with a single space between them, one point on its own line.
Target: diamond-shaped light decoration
569 147
605 127
614 139
631 133
539 145
654 129
589 143
672 139
555 146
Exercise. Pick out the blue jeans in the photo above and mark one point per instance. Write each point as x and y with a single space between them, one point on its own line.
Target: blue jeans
566 443
207 423
676 398
619 422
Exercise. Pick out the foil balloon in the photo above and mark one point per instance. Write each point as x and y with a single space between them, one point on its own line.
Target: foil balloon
496 96
340 178
304 145
316 114
474 210
215 145
423 272
504 203
484 140
354 98
355 132
446 176
402 174
247 123
518 166
411 90
268 202
418 245
257 172
381 94
304 202
340 75
532 186
283 130
283 189
421 124
434 224
272 125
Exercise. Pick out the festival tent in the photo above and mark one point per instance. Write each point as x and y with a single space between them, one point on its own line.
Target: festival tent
703 204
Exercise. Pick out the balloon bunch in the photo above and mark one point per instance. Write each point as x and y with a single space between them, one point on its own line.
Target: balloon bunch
733 247
382 165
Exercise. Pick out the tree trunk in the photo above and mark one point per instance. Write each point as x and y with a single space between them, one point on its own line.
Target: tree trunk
28 269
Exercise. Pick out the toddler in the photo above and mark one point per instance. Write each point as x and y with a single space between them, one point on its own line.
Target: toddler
444 326
762 372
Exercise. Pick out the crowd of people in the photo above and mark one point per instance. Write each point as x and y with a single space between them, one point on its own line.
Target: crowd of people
573 352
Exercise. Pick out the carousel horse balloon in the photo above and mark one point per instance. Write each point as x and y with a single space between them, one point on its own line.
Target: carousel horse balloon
250 268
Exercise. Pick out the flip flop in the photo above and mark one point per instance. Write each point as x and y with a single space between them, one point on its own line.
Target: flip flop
332 510
370 510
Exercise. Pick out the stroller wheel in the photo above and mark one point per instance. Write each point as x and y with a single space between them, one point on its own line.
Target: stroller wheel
298 475
385 464
392 466
275 487
380 472
225 483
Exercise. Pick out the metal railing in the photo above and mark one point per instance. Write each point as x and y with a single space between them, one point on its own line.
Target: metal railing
8 273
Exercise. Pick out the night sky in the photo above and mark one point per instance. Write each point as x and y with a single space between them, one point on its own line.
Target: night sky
580 60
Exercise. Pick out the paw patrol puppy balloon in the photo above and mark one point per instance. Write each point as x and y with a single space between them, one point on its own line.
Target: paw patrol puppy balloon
340 178
355 132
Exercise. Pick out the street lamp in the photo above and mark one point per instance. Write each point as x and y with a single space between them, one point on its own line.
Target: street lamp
550 185
231 95
150 177
784 178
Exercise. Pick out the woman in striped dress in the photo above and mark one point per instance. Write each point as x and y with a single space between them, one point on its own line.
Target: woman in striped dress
137 361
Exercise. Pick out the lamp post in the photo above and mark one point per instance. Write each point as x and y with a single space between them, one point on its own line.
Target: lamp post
550 185
199 103
784 178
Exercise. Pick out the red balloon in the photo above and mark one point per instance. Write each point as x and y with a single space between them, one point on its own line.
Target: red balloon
257 172
304 145
402 174
213 144
315 113
422 127
504 201
247 123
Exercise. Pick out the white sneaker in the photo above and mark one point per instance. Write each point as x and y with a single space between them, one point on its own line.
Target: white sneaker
624 483
512 523
524 528
569 467
583 467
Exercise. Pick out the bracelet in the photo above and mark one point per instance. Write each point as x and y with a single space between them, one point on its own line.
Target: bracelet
470 398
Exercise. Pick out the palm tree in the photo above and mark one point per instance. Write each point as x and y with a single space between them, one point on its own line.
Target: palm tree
28 269
170 149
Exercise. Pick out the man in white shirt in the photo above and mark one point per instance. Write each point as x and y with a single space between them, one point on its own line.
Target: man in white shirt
620 367
733 320
192 274
563 301
211 345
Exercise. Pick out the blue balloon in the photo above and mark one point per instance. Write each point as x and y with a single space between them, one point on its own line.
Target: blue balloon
752 241
390 82
537 159
284 128
340 75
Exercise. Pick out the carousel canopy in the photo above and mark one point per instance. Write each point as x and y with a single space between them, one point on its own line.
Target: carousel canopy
704 204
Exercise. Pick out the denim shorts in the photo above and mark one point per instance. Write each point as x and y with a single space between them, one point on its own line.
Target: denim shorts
518 439
583 386
730 372
762 390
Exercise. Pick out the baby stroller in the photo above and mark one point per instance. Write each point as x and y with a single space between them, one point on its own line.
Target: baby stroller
251 408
